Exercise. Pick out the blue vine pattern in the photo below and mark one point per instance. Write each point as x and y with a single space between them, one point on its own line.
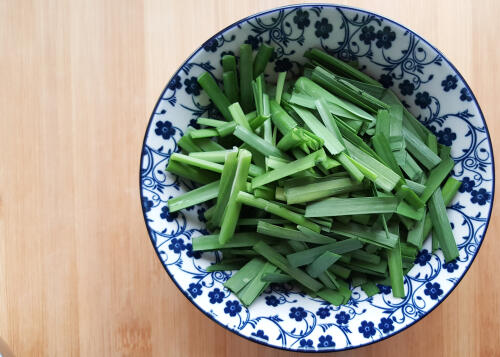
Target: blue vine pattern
283 317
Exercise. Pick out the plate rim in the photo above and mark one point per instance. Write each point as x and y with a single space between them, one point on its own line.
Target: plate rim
334 6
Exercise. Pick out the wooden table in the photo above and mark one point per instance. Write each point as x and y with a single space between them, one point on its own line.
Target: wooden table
78 274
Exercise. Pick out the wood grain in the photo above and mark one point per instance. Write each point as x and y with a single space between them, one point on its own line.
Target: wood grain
78 275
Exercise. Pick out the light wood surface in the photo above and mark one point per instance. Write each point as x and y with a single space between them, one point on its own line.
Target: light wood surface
78 274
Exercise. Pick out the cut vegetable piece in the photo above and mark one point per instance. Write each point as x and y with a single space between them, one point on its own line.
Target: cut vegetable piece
218 156
331 140
231 89
351 167
351 206
307 256
276 209
367 235
210 122
335 64
279 86
253 289
383 149
261 59
436 177
370 288
281 119
386 178
243 239
208 83
226 182
225 266
327 281
340 271
416 235
297 246
364 256
292 234
209 145
289 169
396 271
187 144
276 278
405 210
194 197
191 173
441 226
318 237
243 276
246 77
202 164
229 63
307 86
409 166
409 196
334 297
321 263
280 261
239 116
258 143
420 151
255 221
232 210
444 151
416 187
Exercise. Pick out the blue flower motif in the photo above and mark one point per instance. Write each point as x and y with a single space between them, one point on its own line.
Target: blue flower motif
201 215
147 204
253 41
433 290
190 253
451 266
297 313
195 289
386 325
446 136
192 86
232 307
271 300
467 185
465 95
306 343
326 341
211 45
283 65
164 129
386 80
323 312
260 334
423 100
481 196
342 318
175 83
216 296
194 124
385 37
177 245
406 87
449 83
423 257
367 34
301 18
367 329
166 214
323 28
384 289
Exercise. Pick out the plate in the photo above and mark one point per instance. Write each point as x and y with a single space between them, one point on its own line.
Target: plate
429 86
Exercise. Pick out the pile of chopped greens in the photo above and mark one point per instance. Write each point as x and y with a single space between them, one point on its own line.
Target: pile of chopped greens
323 182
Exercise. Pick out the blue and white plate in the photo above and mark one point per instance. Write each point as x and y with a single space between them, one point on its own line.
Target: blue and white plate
428 84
